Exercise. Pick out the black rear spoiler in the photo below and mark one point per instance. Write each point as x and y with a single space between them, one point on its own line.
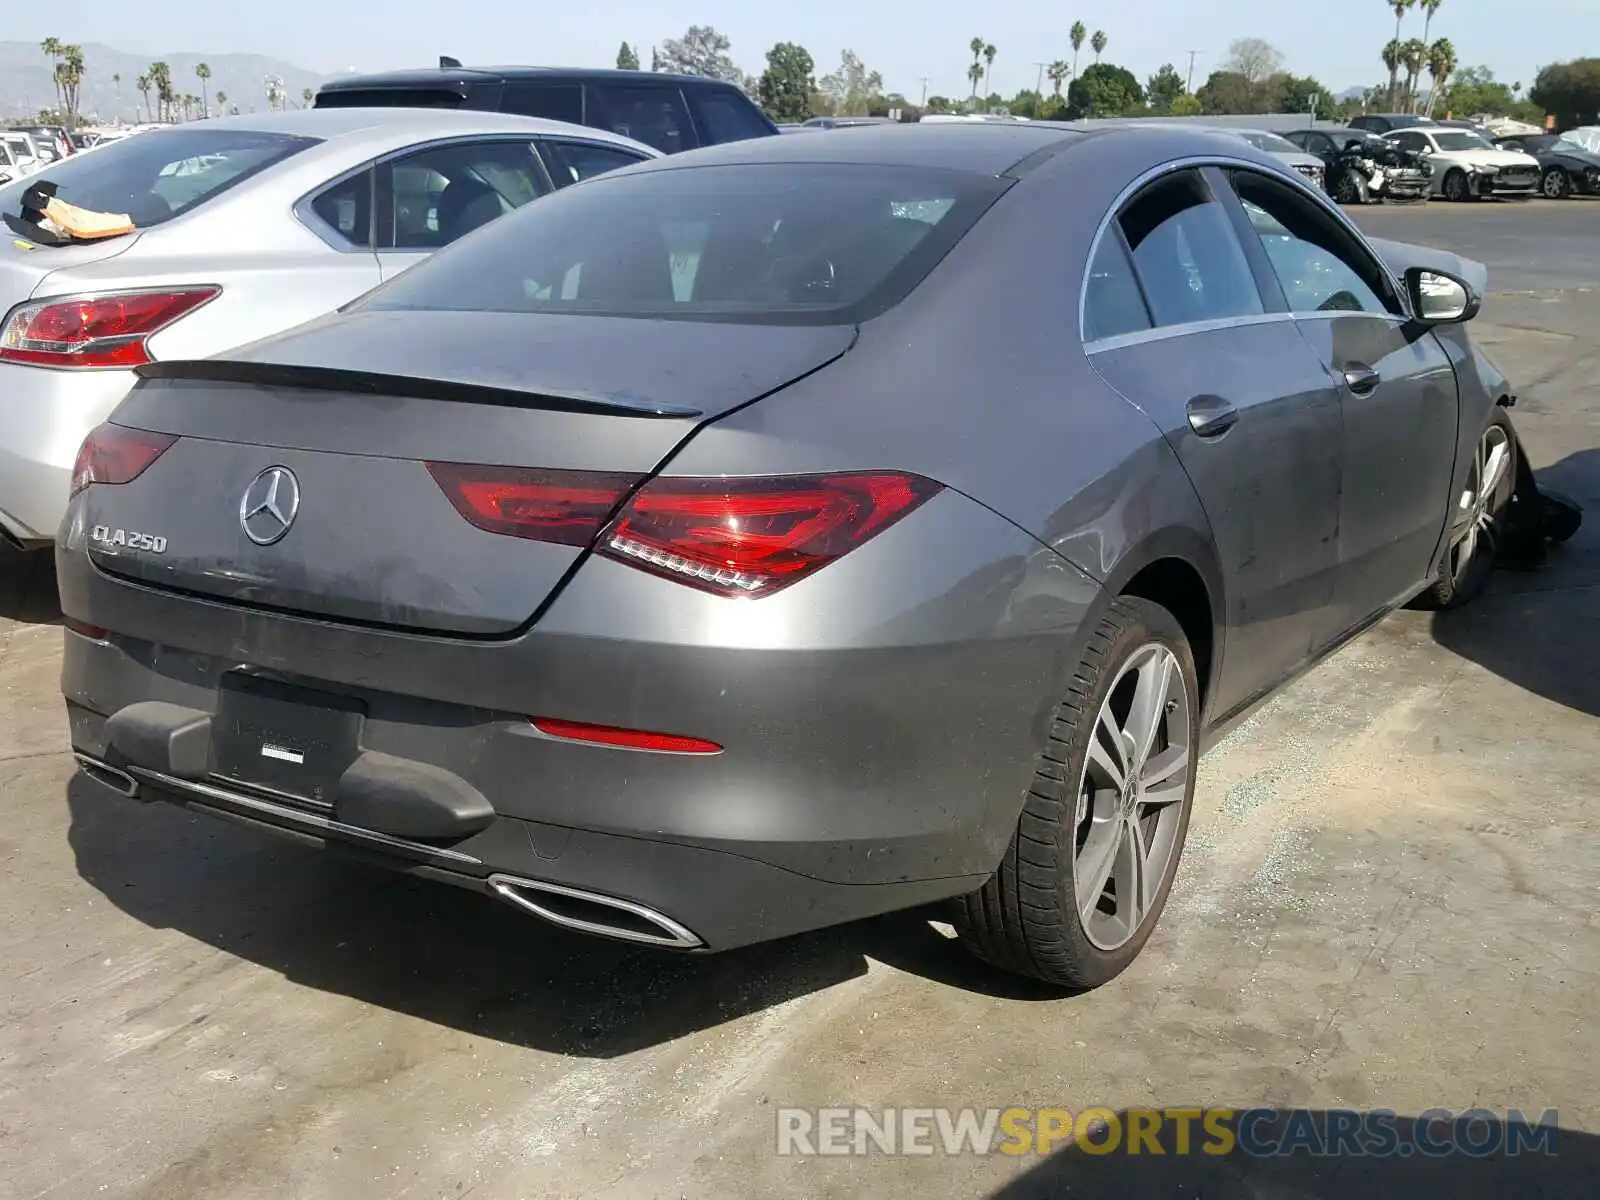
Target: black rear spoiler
376 383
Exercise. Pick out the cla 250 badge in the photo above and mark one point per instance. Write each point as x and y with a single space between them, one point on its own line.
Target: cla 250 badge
127 538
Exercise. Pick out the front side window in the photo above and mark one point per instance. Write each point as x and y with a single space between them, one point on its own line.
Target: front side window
787 243
162 174
432 197
573 162
654 115
1186 253
553 101
1316 262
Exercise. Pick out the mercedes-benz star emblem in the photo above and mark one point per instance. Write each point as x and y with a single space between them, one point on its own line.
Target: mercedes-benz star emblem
269 505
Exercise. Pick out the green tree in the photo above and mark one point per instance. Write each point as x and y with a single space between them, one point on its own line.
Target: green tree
222 104
940 104
975 75
1104 90
1400 7
71 71
1570 90
1079 35
700 51
1299 94
785 88
1057 75
52 50
1429 7
1098 43
988 64
202 72
161 81
1164 87
1187 105
1441 65
1226 92
1394 52
627 58
142 85
852 89
1474 91
1415 58
1026 103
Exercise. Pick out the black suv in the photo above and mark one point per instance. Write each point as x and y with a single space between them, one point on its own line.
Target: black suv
669 112
1389 122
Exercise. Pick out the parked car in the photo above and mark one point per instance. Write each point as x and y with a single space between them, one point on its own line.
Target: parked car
687 558
24 152
1362 167
669 112
845 122
245 226
9 167
1285 151
52 141
1467 166
1566 167
1388 122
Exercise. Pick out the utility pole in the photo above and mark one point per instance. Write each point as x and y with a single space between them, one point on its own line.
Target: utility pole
1189 84
1039 87
924 92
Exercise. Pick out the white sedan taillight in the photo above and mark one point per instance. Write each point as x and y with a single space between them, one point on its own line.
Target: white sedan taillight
106 330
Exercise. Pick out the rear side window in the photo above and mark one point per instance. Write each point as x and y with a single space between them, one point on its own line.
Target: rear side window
553 101
1112 302
726 116
654 115
793 243
346 208
432 197
1186 253
160 175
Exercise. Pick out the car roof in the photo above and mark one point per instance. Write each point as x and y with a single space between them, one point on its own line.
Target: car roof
328 123
979 147
436 76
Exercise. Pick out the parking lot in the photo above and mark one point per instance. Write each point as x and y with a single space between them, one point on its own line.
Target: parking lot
1388 900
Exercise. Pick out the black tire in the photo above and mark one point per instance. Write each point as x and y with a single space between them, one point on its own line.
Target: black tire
1556 184
1026 919
1351 189
1455 187
1459 583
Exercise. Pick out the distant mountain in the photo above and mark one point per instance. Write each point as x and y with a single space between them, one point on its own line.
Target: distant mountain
26 86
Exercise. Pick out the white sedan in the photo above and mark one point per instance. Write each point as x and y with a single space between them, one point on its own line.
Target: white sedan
1466 165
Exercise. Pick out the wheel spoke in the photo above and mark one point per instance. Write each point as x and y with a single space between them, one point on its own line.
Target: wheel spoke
1149 881
1095 862
1149 706
1106 749
1494 467
1165 771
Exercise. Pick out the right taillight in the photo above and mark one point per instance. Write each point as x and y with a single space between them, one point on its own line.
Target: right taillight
116 454
732 535
750 536
106 330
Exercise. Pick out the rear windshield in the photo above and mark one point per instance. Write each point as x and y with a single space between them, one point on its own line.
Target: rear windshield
159 175
780 243
1271 142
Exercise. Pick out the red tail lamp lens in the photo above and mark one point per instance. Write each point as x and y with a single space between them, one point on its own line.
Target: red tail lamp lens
95 331
565 507
628 739
117 454
751 536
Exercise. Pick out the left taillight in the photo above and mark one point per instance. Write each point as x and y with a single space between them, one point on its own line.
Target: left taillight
106 330
117 454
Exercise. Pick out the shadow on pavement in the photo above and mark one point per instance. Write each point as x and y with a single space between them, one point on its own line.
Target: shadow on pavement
28 586
457 958
1567 1165
1541 630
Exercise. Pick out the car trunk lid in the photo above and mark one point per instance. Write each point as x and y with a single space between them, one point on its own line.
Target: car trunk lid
375 538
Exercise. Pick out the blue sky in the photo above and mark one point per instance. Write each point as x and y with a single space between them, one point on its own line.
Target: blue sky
1336 40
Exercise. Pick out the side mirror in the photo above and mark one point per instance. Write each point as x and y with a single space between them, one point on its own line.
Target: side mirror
1440 299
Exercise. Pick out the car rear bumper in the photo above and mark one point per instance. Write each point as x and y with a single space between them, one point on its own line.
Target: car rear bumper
44 417
877 768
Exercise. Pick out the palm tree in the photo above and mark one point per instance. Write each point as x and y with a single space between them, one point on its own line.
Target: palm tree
222 104
116 82
1393 54
975 73
1078 35
1098 42
161 80
1401 7
1415 57
1057 74
988 65
1429 7
142 85
52 50
1441 65
202 72
71 72
306 95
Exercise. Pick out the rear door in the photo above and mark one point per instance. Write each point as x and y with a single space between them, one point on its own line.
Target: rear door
1176 320
1397 391
430 197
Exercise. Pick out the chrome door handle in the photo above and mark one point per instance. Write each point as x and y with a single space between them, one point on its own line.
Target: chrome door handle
1211 416
1361 379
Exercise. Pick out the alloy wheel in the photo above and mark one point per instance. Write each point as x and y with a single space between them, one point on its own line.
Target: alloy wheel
1477 529
1556 185
1130 796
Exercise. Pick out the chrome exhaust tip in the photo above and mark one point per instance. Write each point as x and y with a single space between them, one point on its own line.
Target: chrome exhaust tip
104 773
590 912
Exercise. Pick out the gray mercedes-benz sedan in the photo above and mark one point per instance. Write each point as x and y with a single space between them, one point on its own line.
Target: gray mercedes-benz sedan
797 530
